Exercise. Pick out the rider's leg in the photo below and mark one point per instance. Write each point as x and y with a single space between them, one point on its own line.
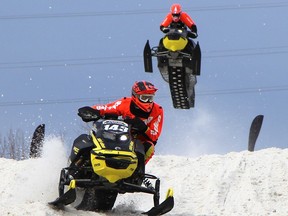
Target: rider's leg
149 150
161 59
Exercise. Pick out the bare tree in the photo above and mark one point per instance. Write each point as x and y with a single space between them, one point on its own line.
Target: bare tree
13 146
2 149
20 145
5 151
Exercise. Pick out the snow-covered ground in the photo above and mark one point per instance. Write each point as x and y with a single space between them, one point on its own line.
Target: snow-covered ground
238 183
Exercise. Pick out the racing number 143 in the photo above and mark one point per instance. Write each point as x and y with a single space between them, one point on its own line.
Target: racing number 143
116 128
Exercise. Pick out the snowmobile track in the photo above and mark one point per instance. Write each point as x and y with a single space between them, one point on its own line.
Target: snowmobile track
178 88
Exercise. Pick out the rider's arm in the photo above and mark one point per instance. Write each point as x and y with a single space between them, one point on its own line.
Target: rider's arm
114 108
154 128
166 22
188 21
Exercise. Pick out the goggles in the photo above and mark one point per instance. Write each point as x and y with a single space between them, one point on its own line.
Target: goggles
146 98
175 17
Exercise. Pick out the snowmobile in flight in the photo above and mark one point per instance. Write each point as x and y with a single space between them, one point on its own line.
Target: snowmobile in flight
107 162
179 62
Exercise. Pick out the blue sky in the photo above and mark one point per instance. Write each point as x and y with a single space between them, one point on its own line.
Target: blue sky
57 56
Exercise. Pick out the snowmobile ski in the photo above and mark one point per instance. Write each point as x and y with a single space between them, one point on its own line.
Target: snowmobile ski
197 60
70 196
165 207
254 132
37 141
66 199
147 58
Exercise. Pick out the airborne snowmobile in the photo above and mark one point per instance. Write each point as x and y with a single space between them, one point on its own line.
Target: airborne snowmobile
107 162
179 62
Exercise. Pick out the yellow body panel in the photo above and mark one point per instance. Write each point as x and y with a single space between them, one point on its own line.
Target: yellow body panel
169 193
75 149
72 184
99 144
113 174
175 45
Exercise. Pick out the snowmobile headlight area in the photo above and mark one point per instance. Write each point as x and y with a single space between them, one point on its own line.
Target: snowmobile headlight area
123 137
115 137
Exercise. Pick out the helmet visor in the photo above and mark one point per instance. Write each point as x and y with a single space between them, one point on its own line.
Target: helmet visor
146 98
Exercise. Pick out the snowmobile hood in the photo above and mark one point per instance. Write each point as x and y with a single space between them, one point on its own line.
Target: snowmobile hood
112 164
175 45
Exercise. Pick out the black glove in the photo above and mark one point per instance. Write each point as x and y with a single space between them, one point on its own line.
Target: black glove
88 114
165 30
85 119
192 35
137 124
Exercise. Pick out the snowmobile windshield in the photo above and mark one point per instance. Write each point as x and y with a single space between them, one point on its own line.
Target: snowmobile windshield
115 137
109 135
115 130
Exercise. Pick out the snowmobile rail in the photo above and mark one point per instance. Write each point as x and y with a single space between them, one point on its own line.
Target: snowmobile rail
156 53
121 186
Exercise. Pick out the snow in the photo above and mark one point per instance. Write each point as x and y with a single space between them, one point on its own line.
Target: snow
238 183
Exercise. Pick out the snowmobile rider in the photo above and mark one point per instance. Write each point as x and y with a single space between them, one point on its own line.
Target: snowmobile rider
179 19
141 112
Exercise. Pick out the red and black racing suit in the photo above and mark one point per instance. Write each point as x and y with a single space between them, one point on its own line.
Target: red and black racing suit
127 109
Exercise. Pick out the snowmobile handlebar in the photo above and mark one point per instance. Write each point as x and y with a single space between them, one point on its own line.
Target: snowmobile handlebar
183 31
173 30
89 114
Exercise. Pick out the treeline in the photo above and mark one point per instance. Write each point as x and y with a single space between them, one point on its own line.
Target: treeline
14 146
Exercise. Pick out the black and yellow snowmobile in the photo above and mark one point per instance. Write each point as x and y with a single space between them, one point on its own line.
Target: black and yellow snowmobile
179 62
107 162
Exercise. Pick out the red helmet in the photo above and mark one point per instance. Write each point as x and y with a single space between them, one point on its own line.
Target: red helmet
176 10
142 95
